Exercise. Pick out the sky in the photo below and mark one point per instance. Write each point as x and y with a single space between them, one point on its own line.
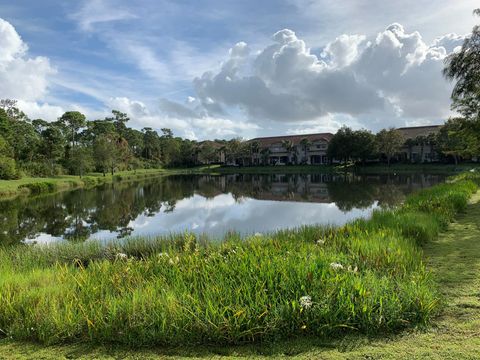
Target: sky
223 69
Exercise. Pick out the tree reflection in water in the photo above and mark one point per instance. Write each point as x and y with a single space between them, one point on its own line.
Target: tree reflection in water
77 215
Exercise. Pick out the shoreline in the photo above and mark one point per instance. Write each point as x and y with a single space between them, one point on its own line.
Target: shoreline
28 186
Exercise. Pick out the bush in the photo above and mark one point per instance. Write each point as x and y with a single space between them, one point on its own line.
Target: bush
40 187
8 169
41 169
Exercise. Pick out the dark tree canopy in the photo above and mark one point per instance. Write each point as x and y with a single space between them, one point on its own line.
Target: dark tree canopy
463 67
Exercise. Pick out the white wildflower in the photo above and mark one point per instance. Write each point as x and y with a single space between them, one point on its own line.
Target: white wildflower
306 302
162 255
174 261
352 269
320 242
258 234
336 266
121 256
472 170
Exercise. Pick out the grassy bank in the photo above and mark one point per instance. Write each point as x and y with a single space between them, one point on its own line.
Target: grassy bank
409 168
367 277
366 169
37 186
286 169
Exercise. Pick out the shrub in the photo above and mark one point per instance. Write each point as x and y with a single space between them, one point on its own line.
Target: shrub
41 169
8 169
40 187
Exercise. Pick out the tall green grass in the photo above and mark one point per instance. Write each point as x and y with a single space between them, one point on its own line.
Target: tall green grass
367 276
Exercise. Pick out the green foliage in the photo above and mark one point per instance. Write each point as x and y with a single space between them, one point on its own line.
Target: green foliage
41 169
464 67
388 142
347 144
8 169
457 139
341 145
37 188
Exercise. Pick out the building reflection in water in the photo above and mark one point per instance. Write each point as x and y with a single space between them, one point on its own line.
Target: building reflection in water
204 204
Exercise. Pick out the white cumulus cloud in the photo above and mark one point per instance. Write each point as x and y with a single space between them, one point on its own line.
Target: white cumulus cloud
395 75
21 77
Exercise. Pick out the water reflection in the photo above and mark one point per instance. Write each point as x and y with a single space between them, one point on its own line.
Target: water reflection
203 204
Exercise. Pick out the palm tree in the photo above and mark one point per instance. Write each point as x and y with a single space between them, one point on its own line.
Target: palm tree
265 152
289 147
254 147
421 140
432 141
305 143
410 143
222 151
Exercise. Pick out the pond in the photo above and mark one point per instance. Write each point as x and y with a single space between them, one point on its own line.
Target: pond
203 204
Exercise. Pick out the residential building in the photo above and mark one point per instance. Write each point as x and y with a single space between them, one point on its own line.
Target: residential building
419 144
291 149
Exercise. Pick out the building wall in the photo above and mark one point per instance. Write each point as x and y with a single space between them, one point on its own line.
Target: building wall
316 153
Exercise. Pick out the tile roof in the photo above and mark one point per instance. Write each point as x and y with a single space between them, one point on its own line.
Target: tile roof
414 131
295 139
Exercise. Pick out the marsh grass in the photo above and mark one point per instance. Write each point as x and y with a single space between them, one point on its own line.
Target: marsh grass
367 276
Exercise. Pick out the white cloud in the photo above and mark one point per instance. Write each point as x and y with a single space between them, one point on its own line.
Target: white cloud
95 12
393 75
344 49
21 77
35 110
183 120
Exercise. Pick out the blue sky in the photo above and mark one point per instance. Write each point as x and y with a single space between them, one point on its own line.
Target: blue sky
210 69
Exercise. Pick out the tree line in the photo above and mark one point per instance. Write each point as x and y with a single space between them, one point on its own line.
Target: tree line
74 145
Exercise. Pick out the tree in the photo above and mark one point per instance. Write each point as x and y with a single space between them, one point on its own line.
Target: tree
7 164
265 152
52 145
135 141
254 148
151 143
455 140
388 142
305 143
341 145
289 148
464 67
363 145
421 140
12 111
208 153
119 122
74 121
233 150
410 143
105 153
81 160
